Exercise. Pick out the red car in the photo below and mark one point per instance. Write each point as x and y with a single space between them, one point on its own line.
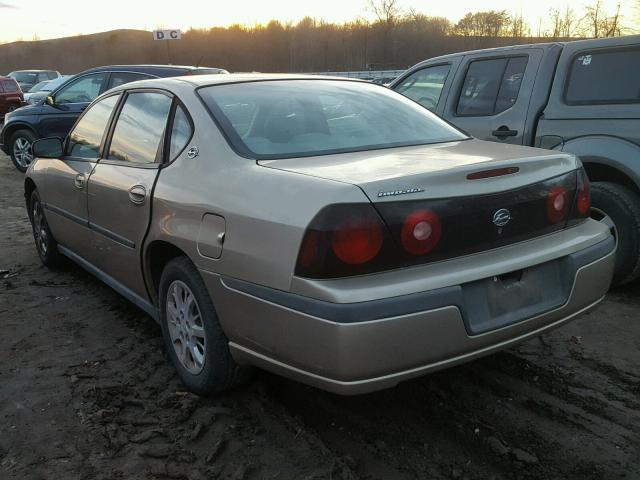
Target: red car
10 96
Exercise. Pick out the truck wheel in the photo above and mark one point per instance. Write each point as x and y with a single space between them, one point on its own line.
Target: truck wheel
20 148
619 206
195 342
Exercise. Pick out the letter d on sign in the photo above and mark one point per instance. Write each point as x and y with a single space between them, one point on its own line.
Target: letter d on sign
159 35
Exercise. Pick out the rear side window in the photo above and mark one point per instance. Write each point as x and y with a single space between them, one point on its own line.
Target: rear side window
86 137
425 86
180 132
120 78
491 86
139 131
10 86
604 77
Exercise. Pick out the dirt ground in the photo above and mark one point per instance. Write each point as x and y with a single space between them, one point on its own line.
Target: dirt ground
86 393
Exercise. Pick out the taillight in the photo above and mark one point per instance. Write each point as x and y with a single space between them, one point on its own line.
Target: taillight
343 240
583 200
357 240
558 204
421 232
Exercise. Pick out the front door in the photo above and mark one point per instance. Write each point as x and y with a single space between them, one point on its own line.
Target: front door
64 188
121 186
490 99
70 101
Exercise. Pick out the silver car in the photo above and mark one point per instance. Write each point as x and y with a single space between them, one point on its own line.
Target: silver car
331 231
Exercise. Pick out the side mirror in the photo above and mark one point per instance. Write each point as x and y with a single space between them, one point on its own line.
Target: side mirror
48 148
51 100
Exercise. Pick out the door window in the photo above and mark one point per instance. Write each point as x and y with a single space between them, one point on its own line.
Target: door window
180 132
85 139
120 78
83 90
491 86
425 86
592 79
139 131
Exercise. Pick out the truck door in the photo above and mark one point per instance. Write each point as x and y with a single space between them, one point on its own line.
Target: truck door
490 96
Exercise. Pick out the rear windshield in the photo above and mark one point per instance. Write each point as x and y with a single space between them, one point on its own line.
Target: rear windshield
26 77
295 118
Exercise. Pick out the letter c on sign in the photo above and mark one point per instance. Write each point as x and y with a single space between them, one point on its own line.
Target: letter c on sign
159 35
173 34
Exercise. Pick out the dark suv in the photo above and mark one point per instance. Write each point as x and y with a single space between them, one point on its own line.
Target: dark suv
54 115
10 96
580 97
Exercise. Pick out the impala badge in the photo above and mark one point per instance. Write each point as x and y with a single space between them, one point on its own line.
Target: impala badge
501 217
404 191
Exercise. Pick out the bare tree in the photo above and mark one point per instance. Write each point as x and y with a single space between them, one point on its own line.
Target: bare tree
599 24
386 11
518 28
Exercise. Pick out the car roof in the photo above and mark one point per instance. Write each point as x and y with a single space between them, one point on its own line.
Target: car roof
205 80
150 69
34 71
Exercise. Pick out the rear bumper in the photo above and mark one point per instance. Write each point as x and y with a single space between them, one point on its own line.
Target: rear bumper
361 347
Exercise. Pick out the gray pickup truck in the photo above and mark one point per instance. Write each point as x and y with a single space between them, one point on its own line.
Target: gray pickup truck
581 97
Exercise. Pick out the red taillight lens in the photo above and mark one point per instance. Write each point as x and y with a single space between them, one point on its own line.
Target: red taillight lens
583 201
557 204
357 241
421 232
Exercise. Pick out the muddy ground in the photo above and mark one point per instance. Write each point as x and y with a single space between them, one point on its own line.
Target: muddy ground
86 393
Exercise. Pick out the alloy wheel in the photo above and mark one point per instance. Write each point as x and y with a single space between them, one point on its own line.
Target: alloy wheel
186 327
22 152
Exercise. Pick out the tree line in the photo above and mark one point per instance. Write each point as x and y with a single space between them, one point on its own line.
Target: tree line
394 39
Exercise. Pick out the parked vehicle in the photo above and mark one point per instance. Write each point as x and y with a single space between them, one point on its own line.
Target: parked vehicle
10 96
63 106
578 97
328 230
28 78
41 90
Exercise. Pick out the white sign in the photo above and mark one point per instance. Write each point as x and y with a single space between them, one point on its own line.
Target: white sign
167 34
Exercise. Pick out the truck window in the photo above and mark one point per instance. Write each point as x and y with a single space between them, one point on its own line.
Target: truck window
491 86
425 86
604 77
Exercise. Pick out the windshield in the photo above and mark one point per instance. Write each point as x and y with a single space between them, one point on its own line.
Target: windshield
24 77
294 118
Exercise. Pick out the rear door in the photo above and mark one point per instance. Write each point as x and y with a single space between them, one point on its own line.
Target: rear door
64 187
121 186
70 101
3 101
491 94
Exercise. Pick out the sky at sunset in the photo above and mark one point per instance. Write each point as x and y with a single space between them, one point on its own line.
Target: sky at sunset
26 19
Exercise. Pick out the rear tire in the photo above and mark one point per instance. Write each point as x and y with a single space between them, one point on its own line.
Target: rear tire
46 244
622 206
20 148
193 337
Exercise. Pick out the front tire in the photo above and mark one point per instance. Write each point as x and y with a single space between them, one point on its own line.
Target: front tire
193 337
46 244
20 148
620 207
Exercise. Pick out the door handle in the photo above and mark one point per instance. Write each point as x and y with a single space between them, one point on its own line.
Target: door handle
503 132
79 181
137 194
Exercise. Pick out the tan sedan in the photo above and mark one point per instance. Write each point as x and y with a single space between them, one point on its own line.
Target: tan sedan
328 230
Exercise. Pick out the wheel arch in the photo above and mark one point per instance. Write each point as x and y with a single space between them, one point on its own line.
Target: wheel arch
608 159
29 188
156 256
12 128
